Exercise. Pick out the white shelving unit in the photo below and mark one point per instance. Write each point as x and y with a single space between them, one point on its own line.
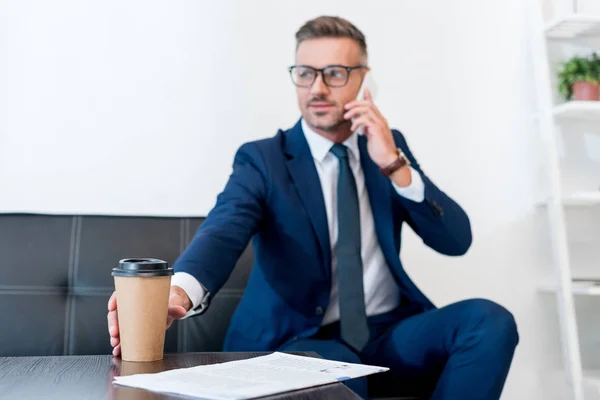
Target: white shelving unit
566 28
573 26
580 110
582 199
579 199
577 288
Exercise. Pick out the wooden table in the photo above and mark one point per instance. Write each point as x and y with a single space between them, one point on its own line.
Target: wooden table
90 377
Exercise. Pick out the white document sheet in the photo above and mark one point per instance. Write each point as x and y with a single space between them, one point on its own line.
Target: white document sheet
247 379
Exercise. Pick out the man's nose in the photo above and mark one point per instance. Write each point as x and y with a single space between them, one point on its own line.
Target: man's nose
318 86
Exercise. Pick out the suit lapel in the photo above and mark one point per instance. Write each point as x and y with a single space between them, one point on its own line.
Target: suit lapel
301 167
380 197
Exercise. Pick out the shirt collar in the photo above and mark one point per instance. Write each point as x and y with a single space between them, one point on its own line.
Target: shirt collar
320 146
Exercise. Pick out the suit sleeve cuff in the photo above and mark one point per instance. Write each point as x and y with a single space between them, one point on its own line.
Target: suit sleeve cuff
195 290
415 191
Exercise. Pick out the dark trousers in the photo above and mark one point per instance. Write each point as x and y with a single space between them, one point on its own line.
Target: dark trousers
461 351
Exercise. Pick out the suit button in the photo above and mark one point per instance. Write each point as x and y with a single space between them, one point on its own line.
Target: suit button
437 207
319 310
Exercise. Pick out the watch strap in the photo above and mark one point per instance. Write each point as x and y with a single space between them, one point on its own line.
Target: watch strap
400 162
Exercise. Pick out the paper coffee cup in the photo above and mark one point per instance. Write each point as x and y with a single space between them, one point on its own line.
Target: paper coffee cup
133 368
126 368
142 286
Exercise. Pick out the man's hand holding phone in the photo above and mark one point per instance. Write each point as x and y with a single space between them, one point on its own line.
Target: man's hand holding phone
380 142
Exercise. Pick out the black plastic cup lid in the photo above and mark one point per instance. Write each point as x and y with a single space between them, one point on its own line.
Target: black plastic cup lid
146 267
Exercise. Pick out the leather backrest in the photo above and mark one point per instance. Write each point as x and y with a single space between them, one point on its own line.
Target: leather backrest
55 281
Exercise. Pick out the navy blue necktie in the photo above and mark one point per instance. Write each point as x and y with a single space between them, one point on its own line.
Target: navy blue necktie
353 316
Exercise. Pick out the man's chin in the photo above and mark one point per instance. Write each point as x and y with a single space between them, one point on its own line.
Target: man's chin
324 123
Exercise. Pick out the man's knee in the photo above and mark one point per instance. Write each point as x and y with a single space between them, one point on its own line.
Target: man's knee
490 320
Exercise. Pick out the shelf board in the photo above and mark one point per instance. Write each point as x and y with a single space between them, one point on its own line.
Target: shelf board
579 288
573 26
592 377
581 110
581 199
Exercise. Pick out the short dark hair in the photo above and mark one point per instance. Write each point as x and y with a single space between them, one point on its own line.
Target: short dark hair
333 27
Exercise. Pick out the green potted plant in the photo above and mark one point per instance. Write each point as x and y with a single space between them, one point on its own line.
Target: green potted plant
579 78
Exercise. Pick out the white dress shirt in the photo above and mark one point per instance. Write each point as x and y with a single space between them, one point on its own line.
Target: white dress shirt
381 291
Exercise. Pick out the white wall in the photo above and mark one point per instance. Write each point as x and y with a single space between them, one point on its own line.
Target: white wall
99 100
103 100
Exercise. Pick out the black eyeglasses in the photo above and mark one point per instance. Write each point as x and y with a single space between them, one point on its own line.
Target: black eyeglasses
333 75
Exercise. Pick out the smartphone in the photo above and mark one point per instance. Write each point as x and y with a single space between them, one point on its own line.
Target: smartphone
368 82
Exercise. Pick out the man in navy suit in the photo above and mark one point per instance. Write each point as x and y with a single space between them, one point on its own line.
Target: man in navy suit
325 207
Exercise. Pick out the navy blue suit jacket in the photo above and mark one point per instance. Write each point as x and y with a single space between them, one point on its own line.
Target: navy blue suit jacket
274 196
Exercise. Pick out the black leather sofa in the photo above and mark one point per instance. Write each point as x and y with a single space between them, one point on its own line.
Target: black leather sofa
55 281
